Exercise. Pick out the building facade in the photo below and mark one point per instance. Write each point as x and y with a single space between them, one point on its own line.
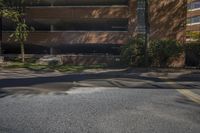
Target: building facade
93 25
193 20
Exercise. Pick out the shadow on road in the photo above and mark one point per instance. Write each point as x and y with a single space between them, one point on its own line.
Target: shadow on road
63 83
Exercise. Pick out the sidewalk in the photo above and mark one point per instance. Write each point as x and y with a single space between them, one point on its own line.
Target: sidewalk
178 74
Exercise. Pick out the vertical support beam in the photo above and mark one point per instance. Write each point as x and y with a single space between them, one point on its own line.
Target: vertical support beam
147 32
132 18
52 3
0 35
51 48
52 27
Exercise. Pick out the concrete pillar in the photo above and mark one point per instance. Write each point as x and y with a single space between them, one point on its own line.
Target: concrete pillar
51 51
132 18
52 27
51 48
52 2
0 35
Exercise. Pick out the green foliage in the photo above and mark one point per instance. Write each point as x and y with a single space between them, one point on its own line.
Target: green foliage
10 14
60 68
13 4
133 53
192 51
161 51
21 32
14 10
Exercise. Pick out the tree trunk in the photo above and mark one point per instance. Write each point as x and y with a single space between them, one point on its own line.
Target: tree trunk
22 52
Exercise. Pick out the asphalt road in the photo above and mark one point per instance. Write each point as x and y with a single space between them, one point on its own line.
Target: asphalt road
105 102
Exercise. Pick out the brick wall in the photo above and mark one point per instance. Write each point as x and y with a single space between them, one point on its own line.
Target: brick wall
77 12
168 19
64 38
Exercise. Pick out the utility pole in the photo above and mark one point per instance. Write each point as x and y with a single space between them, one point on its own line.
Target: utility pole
147 32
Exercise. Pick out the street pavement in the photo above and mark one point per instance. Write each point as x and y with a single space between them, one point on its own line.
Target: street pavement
100 101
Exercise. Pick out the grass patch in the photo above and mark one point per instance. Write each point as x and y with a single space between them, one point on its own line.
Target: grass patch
60 68
77 68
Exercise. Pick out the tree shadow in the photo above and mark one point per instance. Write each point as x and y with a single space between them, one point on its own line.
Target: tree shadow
193 76
167 19
186 101
13 82
59 84
124 79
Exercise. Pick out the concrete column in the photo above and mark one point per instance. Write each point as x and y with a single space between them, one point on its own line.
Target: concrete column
132 18
52 2
52 27
51 51
0 35
51 30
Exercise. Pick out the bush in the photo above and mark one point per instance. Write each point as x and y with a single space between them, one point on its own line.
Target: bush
161 51
133 53
192 52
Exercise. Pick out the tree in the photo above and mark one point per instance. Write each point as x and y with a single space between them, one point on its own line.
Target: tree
14 10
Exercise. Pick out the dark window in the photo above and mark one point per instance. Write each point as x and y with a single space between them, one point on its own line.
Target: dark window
93 25
38 2
75 2
193 20
194 5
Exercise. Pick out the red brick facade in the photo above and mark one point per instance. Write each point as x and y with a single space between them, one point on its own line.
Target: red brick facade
167 20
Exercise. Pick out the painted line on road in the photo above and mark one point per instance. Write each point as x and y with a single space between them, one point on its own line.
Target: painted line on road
190 95
186 92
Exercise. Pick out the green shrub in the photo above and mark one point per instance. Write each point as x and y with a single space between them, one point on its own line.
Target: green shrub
192 52
133 52
161 51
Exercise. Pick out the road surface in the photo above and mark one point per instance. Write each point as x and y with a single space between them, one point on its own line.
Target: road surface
113 101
